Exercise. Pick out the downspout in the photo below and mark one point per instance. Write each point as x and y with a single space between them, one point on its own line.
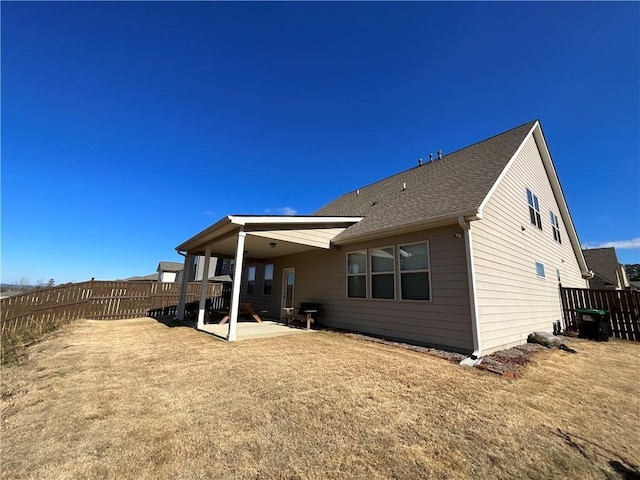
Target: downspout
474 358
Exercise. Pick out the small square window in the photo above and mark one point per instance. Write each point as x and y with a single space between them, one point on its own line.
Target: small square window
540 269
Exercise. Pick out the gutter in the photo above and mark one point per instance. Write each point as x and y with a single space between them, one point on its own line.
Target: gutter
474 358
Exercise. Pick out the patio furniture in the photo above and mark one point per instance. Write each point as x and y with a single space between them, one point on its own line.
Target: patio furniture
307 312
243 307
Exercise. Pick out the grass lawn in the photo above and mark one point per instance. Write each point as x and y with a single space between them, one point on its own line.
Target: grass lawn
139 399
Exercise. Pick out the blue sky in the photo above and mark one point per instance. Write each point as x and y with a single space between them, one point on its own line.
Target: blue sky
127 127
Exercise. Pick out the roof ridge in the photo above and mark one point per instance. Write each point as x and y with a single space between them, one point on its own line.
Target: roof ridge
426 164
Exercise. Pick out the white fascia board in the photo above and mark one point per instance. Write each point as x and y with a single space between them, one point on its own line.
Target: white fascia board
505 170
291 220
221 227
198 238
552 175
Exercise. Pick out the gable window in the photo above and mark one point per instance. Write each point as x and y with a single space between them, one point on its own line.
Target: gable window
414 272
267 289
555 226
534 209
383 273
251 279
357 274
540 269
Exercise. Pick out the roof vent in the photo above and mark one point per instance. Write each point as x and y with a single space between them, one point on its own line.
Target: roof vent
439 154
404 186
358 192
430 157
374 203
420 162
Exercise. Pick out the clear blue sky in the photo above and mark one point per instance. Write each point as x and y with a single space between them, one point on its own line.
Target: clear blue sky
129 127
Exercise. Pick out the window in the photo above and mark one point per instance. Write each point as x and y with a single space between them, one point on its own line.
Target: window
540 269
383 273
414 272
534 209
357 274
555 226
268 279
251 279
558 274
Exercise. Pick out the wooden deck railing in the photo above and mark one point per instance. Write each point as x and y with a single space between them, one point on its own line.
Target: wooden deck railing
623 307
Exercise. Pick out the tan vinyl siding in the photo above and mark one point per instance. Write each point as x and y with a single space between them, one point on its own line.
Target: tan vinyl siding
320 276
512 300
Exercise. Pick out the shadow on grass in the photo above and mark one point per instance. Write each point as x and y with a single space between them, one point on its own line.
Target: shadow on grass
625 472
624 467
171 322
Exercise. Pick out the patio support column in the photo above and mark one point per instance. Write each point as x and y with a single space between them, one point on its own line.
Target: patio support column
237 282
186 272
205 284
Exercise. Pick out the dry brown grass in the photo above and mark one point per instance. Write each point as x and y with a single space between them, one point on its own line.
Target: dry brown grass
138 399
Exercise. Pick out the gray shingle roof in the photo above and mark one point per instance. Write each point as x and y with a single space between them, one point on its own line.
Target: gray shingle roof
603 262
170 266
455 185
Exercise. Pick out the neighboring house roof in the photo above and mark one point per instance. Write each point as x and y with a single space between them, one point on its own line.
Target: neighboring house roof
453 186
170 266
604 263
151 276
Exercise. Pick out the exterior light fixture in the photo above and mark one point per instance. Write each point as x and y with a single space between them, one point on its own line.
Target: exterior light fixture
272 244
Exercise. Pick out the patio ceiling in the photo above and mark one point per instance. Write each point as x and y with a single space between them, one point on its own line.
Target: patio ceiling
267 236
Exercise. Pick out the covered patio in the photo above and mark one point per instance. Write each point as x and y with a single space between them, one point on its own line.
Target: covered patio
257 238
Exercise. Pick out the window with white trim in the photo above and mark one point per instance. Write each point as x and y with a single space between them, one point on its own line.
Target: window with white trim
555 226
414 272
534 209
540 269
357 274
251 279
267 288
383 284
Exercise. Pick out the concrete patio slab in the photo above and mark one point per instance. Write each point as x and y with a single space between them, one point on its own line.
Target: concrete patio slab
249 330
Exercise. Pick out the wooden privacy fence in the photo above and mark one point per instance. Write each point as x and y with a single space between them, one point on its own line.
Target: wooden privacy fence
220 301
38 310
623 307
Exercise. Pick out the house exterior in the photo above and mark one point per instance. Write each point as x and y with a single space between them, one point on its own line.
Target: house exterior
608 272
465 252
172 271
168 272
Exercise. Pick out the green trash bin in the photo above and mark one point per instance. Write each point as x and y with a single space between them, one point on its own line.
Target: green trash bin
593 324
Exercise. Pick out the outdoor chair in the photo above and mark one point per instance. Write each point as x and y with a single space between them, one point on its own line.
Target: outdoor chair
306 312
